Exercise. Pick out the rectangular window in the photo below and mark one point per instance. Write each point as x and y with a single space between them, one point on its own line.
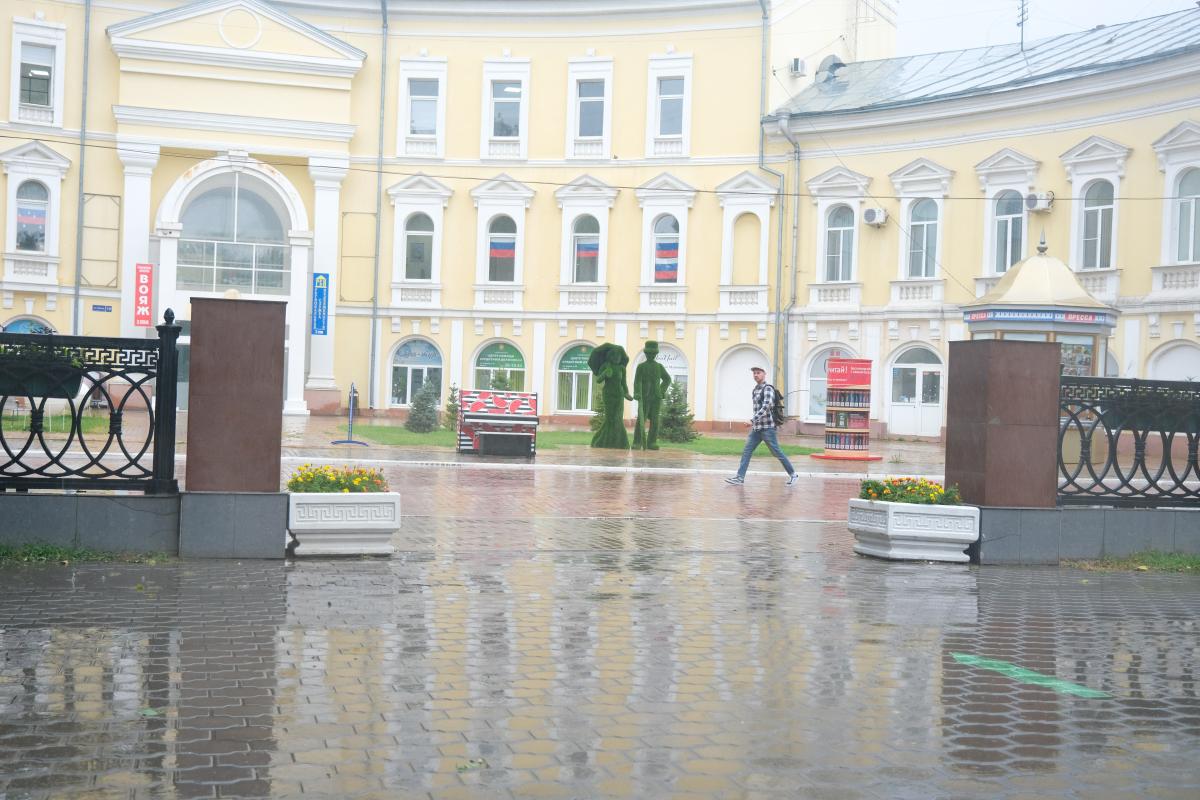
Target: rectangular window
839 245
904 384
506 109
37 66
422 109
1097 238
670 106
591 108
418 262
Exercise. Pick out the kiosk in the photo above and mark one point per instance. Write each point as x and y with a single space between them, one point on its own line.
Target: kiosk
848 410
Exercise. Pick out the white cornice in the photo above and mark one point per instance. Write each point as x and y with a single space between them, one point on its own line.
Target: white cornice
586 189
526 8
665 189
1006 165
1109 85
922 176
35 157
838 182
420 188
264 126
245 59
1182 141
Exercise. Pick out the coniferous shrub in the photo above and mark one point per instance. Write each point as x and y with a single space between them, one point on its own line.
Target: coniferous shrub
450 410
423 413
675 422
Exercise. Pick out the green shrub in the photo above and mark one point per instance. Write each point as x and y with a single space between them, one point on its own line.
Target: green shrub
423 413
675 423
450 410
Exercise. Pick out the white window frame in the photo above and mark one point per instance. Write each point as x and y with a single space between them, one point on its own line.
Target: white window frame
584 195
576 375
668 66
592 147
34 161
919 180
907 206
501 195
1006 170
813 358
1084 212
826 229
1095 158
391 365
419 145
504 148
417 194
1177 151
993 238
1192 201
46 34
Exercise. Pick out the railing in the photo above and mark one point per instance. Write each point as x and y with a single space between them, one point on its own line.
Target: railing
1128 442
83 371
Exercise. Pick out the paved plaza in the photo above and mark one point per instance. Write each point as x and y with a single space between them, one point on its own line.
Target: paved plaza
553 632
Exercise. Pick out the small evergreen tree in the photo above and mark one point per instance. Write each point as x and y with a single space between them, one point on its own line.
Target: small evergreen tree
450 409
675 423
500 381
423 413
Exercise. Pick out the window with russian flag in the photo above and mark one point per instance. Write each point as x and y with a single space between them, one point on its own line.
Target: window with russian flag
502 249
666 249
586 238
32 201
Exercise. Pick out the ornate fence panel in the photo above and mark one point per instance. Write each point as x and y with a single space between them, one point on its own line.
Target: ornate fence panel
52 429
1128 442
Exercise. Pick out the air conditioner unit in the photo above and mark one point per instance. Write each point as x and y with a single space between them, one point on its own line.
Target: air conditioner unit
796 67
875 216
1039 201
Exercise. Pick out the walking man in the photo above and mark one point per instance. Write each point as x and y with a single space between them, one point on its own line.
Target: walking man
762 429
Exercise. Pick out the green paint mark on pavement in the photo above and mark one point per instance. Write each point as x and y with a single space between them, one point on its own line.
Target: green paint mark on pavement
1029 676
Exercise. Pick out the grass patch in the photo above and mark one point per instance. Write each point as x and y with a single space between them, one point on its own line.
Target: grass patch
53 554
55 423
1151 561
398 435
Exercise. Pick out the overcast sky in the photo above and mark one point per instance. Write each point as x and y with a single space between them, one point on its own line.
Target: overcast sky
927 26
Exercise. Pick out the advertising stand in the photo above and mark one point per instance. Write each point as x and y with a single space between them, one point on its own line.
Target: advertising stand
848 410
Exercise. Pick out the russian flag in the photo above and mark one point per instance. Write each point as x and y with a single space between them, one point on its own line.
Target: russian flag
503 249
31 216
666 262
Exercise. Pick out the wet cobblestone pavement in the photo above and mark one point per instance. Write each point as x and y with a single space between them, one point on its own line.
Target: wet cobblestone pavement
585 635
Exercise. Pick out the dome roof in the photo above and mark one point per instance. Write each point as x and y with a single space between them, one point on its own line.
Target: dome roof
1039 280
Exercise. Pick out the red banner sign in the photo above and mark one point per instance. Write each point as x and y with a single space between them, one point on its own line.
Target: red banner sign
846 372
143 291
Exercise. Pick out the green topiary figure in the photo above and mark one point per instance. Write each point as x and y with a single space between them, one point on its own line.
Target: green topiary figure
676 416
609 362
450 410
597 420
650 382
423 413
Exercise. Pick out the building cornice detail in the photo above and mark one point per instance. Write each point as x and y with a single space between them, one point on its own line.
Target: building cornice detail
1008 166
204 121
35 157
1183 139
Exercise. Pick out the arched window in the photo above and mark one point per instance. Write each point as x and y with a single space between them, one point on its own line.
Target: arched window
233 238
500 366
666 249
418 248
839 244
575 388
1010 230
586 247
502 250
1097 225
818 381
922 239
415 363
33 202
1188 217
26 325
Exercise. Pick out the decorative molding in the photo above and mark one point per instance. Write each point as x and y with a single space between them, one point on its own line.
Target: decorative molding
1095 155
1009 167
586 190
665 189
420 188
35 157
922 177
839 183
205 121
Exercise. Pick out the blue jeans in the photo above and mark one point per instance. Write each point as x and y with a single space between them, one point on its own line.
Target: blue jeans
756 438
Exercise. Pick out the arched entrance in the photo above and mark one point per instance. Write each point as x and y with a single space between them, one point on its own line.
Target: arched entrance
1177 361
915 395
734 382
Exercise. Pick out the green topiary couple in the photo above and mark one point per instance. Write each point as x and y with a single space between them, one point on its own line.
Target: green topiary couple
650 381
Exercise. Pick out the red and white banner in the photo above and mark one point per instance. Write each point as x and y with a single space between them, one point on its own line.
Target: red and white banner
848 372
143 291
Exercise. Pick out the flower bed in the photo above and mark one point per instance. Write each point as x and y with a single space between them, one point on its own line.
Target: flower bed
342 511
912 519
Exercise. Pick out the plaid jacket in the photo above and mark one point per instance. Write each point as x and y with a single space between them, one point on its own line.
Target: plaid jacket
763 399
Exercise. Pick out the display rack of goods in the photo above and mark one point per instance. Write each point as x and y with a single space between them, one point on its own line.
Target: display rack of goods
848 410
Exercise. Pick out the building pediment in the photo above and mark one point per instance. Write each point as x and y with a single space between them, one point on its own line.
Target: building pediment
35 157
502 188
746 187
1181 142
665 188
235 33
838 181
587 189
1095 154
420 187
1008 166
922 176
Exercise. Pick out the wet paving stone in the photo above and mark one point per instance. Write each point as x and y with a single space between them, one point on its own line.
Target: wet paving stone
583 636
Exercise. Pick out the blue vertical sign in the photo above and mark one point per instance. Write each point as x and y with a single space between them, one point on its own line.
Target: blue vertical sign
320 304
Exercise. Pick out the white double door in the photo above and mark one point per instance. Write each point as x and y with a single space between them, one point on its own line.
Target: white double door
916 400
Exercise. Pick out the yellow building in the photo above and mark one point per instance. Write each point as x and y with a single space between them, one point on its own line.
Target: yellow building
469 189
923 179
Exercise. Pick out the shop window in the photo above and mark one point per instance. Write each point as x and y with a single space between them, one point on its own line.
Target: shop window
575 386
415 363
500 366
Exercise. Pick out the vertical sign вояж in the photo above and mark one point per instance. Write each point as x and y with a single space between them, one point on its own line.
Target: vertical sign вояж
143 291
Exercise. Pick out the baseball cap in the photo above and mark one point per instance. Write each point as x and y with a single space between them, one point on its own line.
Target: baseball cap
757 368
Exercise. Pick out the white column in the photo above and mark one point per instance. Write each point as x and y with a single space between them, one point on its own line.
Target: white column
295 317
621 334
539 366
700 384
168 270
139 160
456 354
327 175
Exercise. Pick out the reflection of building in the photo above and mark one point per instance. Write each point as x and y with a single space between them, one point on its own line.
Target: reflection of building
925 178
555 176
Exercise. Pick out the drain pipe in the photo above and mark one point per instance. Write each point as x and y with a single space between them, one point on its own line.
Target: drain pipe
378 209
87 51
781 369
787 312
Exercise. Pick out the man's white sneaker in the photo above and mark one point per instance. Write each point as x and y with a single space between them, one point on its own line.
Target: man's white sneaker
792 480
736 480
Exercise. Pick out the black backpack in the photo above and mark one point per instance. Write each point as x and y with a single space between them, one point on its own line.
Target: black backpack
777 407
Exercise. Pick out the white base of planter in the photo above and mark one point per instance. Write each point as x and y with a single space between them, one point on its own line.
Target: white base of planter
344 524
913 532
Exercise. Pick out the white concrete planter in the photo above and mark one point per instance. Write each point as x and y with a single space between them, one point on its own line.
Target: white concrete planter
344 524
911 531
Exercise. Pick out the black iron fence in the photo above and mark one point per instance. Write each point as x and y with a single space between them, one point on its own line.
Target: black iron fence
88 412
1128 442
